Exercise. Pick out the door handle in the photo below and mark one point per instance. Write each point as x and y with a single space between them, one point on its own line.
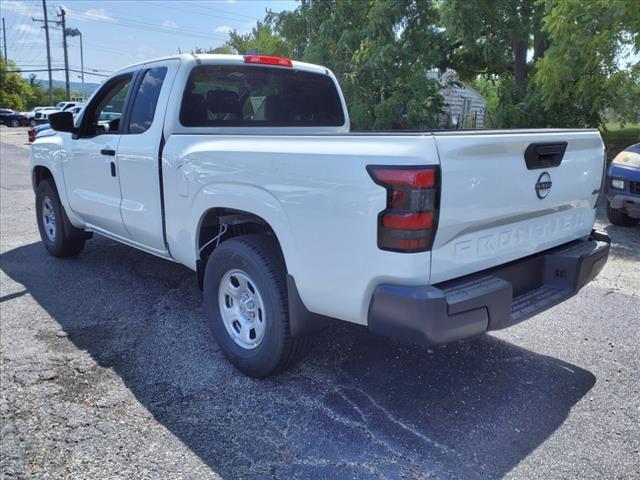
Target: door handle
108 151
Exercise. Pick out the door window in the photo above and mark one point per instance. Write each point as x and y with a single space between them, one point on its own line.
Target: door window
103 115
146 99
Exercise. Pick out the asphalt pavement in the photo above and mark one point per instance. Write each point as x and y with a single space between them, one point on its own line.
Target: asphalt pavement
108 371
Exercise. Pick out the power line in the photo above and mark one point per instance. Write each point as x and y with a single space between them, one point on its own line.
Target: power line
199 13
57 70
207 7
138 25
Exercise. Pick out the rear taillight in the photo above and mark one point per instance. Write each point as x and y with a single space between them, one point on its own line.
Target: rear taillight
268 60
32 135
408 224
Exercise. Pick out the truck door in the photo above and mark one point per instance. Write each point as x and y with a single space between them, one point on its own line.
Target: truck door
138 155
91 166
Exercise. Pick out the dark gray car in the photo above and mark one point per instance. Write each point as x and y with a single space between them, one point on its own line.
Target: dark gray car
12 119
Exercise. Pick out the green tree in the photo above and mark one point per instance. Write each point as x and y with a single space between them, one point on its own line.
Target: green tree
380 50
584 72
260 39
539 62
219 50
494 37
553 62
500 41
14 90
33 80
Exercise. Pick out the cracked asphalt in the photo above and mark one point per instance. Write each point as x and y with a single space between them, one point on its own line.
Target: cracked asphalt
108 371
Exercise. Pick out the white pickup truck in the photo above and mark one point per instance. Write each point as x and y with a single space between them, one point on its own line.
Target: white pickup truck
244 170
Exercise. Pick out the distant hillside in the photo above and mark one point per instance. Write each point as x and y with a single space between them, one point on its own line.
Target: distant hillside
89 88
76 87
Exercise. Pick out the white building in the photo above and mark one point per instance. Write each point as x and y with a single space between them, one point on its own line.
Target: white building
464 106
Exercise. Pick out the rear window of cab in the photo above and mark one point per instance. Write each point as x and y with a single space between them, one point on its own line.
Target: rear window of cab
257 96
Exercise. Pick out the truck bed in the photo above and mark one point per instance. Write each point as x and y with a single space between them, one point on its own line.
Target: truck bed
314 190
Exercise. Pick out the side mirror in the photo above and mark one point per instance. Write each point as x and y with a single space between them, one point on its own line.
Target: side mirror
62 122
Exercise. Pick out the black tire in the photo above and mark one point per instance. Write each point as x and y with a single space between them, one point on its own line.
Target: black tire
32 122
618 217
66 240
260 257
14 123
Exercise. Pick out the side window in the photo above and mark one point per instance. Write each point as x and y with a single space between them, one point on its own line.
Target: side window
146 99
103 114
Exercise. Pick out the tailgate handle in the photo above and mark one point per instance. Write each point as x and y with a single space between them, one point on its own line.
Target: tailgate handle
544 155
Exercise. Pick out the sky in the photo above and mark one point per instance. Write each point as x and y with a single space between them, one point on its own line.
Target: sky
117 33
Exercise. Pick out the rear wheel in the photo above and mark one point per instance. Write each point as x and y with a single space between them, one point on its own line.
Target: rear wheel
618 217
32 122
14 122
59 236
245 300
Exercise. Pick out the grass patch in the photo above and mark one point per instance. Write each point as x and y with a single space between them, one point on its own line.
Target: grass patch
617 138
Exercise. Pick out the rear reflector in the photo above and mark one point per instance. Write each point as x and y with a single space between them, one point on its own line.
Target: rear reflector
409 222
267 60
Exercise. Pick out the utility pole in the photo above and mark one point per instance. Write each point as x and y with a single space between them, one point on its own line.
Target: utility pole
82 67
74 32
4 38
46 31
66 55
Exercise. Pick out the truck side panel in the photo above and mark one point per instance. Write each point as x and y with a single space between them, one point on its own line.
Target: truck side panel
315 193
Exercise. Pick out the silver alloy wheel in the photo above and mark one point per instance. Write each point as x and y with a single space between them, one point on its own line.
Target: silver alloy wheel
242 309
49 219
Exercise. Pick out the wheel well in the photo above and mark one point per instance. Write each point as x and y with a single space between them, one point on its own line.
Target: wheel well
221 224
40 173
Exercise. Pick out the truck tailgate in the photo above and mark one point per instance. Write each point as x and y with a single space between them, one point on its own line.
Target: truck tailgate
496 207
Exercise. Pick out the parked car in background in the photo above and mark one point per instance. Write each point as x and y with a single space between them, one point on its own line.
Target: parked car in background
622 187
63 106
12 118
31 116
75 111
108 121
42 114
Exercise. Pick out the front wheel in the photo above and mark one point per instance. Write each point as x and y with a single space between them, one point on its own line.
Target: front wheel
245 299
14 122
32 122
618 217
59 236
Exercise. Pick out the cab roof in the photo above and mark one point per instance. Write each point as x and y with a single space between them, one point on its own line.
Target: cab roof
221 59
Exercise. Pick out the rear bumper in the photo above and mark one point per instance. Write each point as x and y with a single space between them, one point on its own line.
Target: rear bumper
490 300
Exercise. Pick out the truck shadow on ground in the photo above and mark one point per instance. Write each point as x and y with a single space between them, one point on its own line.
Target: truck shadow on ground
360 406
